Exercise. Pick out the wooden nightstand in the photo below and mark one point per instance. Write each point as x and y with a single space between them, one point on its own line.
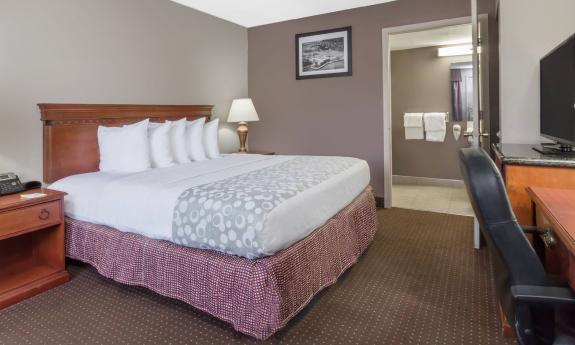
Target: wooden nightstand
32 248
256 152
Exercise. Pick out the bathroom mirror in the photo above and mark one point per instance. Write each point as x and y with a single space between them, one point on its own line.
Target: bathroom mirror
461 91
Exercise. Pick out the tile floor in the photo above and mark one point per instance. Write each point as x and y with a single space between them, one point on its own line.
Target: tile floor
452 200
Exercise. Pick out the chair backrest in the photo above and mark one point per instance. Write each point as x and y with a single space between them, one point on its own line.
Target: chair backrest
485 187
514 259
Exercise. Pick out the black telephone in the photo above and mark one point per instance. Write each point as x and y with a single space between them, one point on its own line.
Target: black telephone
10 184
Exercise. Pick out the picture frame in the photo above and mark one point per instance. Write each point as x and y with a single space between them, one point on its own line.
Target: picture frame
323 54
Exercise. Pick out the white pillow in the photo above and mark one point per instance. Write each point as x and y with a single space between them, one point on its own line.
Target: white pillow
210 139
178 141
160 146
194 139
124 149
155 124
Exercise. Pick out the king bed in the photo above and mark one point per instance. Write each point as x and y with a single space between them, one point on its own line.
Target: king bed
249 239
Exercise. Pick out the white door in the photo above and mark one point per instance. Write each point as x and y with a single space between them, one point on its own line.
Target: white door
476 75
476 136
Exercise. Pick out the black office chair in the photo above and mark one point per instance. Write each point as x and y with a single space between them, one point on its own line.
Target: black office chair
541 311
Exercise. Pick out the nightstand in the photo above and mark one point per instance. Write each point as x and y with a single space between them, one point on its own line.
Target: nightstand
256 152
32 250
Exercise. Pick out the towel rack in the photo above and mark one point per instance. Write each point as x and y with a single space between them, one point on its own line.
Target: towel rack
446 116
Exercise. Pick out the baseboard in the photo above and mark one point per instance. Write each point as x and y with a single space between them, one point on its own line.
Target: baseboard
427 181
379 202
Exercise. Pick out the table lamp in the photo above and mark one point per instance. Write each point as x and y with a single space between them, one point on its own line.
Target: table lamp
243 111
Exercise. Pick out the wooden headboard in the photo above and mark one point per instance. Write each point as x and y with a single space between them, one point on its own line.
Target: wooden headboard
70 131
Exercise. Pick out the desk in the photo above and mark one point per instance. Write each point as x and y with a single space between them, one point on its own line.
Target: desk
554 209
522 167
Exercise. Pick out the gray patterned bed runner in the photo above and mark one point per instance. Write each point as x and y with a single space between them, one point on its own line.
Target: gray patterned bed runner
230 215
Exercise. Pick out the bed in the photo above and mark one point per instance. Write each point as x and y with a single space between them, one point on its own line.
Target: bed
249 239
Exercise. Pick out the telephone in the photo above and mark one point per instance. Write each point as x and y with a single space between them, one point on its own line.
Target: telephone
10 184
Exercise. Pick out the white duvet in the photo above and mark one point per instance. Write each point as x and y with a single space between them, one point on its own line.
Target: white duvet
144 202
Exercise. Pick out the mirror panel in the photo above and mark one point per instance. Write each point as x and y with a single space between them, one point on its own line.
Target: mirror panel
461 85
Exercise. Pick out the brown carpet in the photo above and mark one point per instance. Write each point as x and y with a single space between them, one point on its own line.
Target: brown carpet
420 282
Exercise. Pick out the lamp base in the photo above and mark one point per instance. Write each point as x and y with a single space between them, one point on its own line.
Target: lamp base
243 134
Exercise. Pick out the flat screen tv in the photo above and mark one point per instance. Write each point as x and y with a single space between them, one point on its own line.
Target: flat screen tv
558 95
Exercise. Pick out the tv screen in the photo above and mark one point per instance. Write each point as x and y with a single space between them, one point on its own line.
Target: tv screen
558 93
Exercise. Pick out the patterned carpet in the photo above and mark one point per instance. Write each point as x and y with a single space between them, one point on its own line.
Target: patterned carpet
420 282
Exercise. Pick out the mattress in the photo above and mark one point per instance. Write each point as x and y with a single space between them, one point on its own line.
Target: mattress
246 205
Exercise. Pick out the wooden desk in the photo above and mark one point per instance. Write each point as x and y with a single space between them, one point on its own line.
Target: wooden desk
554 209
522 167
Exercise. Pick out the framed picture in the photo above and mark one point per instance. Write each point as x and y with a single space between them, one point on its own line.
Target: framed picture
323 54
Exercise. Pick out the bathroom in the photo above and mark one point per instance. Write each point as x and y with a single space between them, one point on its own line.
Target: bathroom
432 111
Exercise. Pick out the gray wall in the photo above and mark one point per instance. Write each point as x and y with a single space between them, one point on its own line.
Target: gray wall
529 30
420 82
332 116
110 51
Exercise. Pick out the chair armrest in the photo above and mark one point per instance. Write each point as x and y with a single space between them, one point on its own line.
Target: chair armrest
528 229
543 294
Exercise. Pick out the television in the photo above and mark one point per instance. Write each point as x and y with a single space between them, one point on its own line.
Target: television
557 116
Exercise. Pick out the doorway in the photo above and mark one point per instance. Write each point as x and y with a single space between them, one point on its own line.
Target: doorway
428 74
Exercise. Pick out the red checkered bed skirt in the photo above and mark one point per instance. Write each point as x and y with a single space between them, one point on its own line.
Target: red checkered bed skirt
258 297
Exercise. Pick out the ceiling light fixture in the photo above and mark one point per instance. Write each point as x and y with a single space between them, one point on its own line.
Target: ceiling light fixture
466 49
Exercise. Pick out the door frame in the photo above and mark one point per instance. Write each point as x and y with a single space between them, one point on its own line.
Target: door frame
386 54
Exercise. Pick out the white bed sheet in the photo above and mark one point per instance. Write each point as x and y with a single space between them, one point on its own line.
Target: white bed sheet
144 202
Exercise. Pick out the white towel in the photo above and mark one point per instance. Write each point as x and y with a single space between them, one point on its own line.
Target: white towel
434 122
435 128
435 136
413 120
414 133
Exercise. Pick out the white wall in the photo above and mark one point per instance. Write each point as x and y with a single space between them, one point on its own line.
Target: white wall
110 51
529 29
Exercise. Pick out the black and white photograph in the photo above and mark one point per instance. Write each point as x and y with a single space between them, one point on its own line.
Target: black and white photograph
323 54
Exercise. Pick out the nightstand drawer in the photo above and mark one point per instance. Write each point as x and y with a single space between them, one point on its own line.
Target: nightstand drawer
29 218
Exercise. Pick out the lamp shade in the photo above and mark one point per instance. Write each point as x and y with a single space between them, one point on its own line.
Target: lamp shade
243 110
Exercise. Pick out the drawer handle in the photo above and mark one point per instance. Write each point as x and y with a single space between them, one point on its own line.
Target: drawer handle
549 239
44 214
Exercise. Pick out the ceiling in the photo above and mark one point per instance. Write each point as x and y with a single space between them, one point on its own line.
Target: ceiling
251 13
449 35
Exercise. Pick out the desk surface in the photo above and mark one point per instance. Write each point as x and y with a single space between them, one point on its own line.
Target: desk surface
559 206
523 154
